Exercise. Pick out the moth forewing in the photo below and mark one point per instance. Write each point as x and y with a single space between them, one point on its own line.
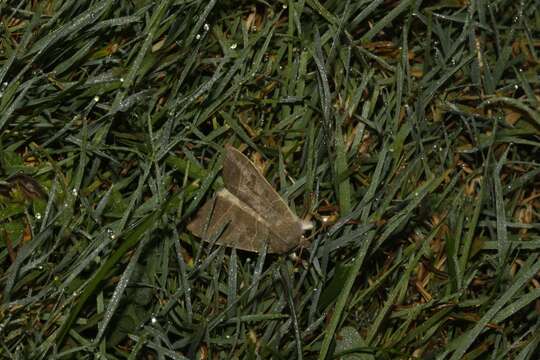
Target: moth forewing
242 179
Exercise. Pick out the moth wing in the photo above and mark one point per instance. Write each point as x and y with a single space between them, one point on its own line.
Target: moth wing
243 228
244 181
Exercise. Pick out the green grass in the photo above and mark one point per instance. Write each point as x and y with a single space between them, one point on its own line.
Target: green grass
407 131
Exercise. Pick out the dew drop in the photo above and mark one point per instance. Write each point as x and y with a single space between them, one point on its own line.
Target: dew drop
233 46
206 27
416 194
284 6
516 86
38 216
96 98
154 320
122 79
74 192
198 36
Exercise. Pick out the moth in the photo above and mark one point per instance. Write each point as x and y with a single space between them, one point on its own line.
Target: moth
249 210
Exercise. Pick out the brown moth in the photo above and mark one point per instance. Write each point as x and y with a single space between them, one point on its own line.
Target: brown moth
251 212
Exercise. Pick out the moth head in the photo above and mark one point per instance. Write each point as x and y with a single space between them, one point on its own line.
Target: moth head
306 225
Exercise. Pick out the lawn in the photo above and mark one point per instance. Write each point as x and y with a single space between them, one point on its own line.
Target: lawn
407 132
